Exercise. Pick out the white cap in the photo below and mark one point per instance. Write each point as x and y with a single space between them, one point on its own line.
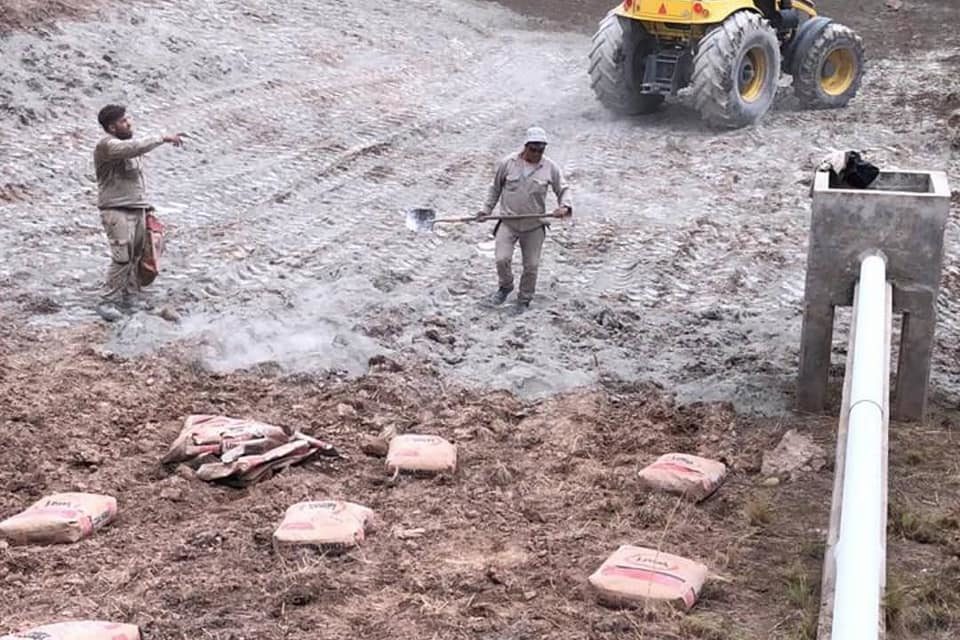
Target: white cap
536 134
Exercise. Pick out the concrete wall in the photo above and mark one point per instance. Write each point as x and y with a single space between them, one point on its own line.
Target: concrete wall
902 216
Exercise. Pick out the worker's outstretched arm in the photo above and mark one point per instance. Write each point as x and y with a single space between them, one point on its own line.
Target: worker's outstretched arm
123 149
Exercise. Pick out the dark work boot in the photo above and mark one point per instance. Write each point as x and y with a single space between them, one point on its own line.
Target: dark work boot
134 305
109 311
521 306
501 295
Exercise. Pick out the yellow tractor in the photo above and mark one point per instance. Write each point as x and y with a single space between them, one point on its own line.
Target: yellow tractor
729 52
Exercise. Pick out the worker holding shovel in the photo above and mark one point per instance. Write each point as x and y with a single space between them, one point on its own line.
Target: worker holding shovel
520 185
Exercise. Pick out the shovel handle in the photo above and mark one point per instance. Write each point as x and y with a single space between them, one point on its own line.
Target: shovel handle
470 219
485 218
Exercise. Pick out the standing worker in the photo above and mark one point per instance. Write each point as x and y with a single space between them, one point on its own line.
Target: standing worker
520 184
123 205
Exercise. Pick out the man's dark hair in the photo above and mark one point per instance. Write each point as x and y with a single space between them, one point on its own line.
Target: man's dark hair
110 114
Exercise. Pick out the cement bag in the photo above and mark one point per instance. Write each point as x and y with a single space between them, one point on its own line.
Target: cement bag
638 575
421 453
692 476
62 517
251 467
84 630
153 248
203 434
324 523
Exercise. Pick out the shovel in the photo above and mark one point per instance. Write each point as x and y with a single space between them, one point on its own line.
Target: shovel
422 220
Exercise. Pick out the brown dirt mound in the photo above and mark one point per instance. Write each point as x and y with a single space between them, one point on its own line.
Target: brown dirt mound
544 492
21 14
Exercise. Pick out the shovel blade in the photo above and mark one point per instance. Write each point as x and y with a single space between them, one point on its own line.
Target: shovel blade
421 219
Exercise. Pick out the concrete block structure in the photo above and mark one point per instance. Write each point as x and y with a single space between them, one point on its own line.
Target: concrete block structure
902 216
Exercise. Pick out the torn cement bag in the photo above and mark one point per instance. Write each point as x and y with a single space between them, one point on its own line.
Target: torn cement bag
324 523
241 452
637 575
254 466
81 630
60 518
421 453
691 476
203 434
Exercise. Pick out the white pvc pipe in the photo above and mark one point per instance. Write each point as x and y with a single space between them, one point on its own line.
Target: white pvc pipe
859 550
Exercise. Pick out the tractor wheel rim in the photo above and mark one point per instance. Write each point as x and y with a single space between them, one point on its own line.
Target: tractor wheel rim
753 74
838 72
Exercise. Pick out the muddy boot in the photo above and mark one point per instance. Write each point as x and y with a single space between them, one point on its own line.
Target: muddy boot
109 312
133 304
520 307
141 305
501 295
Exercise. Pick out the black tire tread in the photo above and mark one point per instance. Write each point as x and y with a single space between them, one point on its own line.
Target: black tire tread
806 82
608 73
715 93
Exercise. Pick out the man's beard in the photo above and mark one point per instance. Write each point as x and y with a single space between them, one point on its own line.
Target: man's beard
125 135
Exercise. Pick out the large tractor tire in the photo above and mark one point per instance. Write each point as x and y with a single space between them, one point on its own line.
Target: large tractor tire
736 71
828 72
609 72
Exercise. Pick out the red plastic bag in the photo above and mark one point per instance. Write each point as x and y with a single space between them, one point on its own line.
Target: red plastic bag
153 248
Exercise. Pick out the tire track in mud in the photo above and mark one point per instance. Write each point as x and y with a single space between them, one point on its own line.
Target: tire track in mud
383 137
318 125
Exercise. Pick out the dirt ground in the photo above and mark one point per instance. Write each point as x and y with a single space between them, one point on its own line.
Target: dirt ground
667 320
543 493
22 14
545 490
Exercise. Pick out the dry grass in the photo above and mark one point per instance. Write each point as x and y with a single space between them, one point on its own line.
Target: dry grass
710 627
906 521
922 598
894 602
927 604
800 588
912 522
758 511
